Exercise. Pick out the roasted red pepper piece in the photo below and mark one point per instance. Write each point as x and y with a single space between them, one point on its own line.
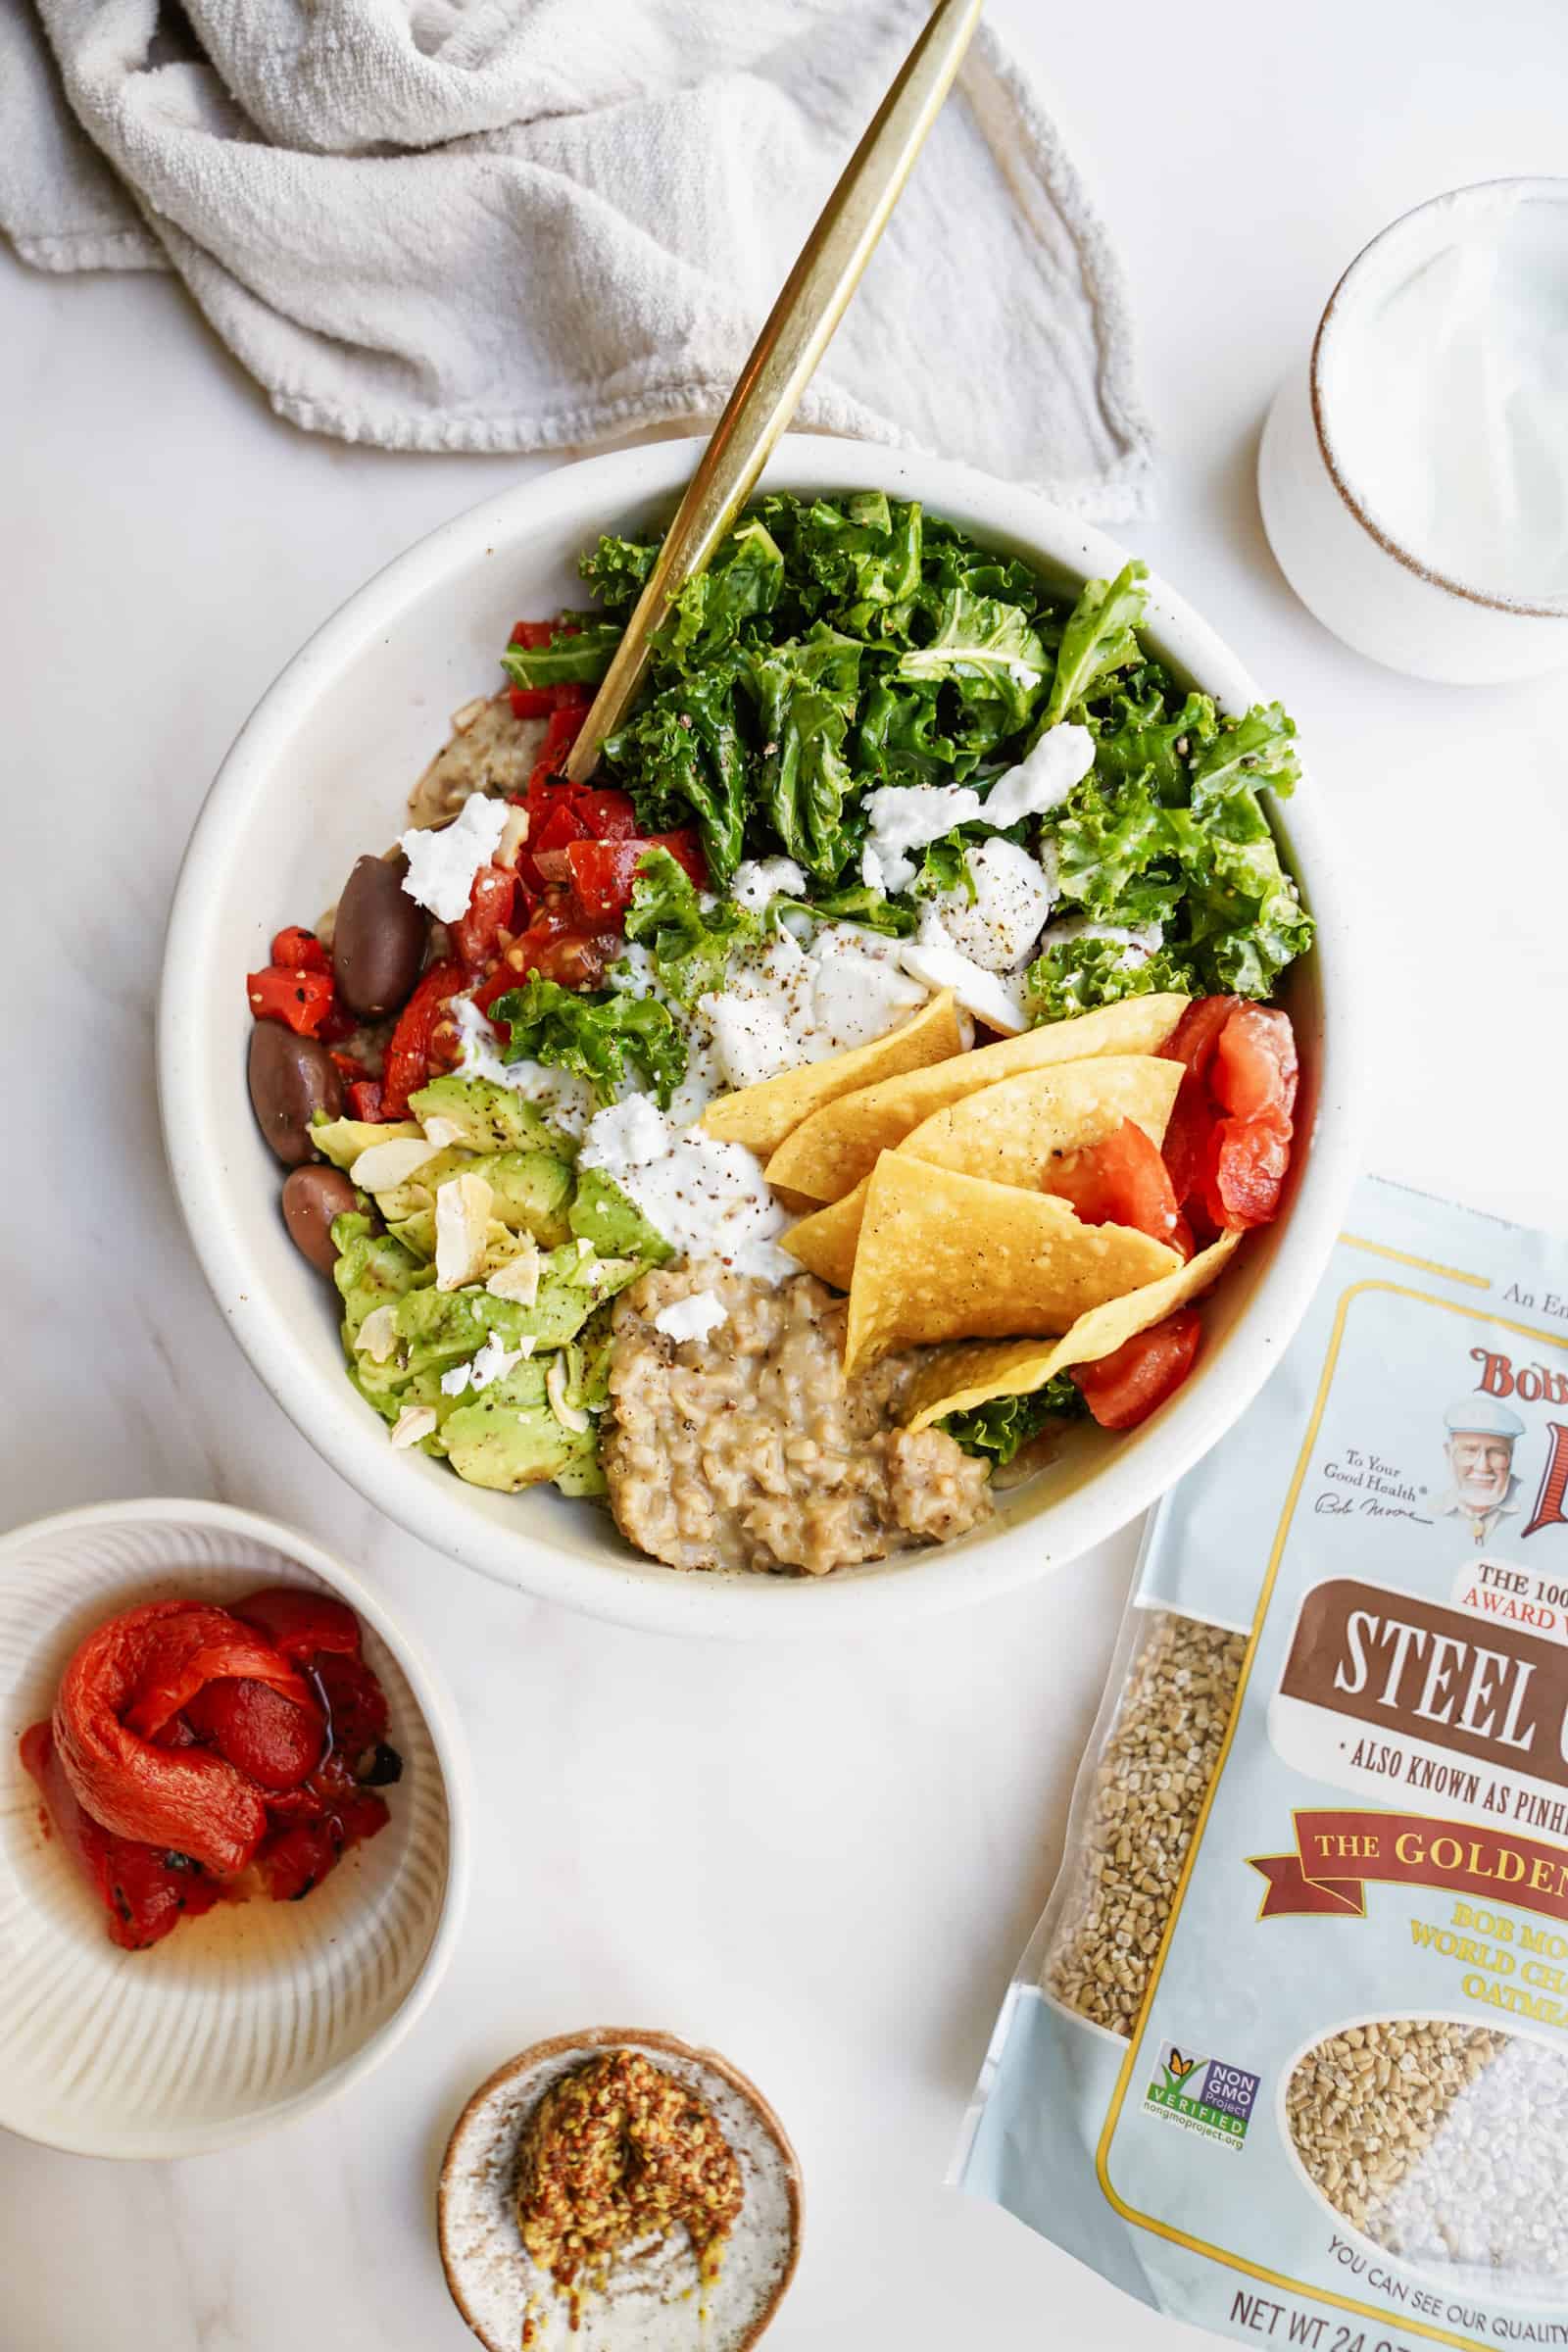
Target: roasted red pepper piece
604 873
297 1858
122 1685
1119 1181
145 1891
364 1100
490 913
356 1703
266 1736
410 1056
294 945
300 1623
296 996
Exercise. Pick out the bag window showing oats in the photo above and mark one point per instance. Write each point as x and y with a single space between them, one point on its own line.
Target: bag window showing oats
1288 2056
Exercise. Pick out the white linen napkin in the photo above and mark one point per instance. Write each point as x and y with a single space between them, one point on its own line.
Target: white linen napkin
531 225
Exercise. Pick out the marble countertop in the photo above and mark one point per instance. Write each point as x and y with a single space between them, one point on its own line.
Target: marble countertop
839 1906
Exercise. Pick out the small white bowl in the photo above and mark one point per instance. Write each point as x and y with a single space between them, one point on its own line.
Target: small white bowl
1390 600
320 773
248 2016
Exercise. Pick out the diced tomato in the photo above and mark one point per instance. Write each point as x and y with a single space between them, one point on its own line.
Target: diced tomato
535 635
492 905
1191 1124
606 814
365 1101
1243 1173
1254 1065
562 825
1124 1388
295 995
560 945
1195 1034
294 945
275 1743
538 702
412 1057
1119 1181
299 1623
566 725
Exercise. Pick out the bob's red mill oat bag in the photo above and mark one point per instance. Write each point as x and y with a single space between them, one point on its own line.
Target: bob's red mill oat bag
1289 2054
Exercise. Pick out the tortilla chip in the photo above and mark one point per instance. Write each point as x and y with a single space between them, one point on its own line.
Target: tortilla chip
762 1116
945 1256
827 1242
1006 1133
962 1378
829 1151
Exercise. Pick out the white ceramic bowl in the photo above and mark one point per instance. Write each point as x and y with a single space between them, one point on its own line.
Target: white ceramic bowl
320 774
248 2016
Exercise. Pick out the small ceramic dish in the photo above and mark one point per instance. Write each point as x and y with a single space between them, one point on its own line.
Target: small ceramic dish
248 2016
649 2301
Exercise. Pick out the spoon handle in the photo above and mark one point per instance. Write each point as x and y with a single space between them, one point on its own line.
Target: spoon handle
784 358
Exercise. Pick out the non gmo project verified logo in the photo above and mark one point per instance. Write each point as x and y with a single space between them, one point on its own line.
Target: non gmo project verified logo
1206 2096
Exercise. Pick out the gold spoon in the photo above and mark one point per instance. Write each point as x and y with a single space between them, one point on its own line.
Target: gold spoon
784 359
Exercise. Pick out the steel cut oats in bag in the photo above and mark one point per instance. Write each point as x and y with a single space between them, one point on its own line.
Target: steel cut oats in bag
1288 2056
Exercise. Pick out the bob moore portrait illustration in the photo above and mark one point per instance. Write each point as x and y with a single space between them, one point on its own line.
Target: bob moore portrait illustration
1482 1435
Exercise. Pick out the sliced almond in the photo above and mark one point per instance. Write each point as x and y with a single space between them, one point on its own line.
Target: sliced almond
415 1421
464 1207
518 1279
570 1416
383 1168
441 1134
379 1334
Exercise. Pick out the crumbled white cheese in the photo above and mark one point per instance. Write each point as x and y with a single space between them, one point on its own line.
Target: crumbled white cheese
563 1097
570 1416
464 1207
900 818
790 1004
691 1318
518 1279
1042 781
415 1421
442 864
757 880
379 1334
494 1362
708 1200
932 957
998 926
383 1168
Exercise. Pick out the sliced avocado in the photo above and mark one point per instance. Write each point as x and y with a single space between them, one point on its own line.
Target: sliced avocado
418 1233
492 1117
532 1190
372 1269
343 1139
442 1328
583 1474
603 1214
508 1438
418 1190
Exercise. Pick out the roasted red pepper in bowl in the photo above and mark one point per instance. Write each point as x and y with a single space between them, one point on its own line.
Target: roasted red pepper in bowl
195 1754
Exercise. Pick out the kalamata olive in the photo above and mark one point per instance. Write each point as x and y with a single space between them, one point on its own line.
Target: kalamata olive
291 1078
311 1198
378 938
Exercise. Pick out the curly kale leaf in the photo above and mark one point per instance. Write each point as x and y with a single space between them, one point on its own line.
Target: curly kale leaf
682 757
616 570
806 694
1098 638
1004 1424
594 1036
580 659
690 943
1077 975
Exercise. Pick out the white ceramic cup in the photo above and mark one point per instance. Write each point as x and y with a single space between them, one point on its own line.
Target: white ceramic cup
1396 602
